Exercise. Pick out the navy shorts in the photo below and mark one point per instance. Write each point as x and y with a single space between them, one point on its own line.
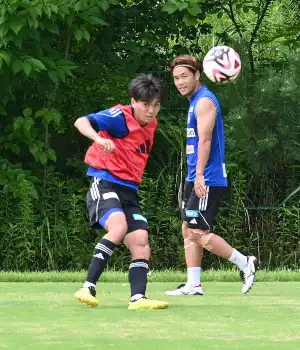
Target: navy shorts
104 198
200 213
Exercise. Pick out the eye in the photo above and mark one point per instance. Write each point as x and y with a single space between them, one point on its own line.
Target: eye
146 104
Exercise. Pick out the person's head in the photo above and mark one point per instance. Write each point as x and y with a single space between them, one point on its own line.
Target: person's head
186 74
146 94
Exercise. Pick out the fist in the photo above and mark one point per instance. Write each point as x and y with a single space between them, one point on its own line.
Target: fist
107 145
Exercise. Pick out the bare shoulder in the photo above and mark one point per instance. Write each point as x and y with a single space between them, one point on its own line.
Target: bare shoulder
205 106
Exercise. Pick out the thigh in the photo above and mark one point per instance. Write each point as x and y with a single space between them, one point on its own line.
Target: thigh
201 212
135 218
133 212
102 200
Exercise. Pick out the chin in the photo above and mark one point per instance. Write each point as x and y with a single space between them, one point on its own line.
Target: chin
186 94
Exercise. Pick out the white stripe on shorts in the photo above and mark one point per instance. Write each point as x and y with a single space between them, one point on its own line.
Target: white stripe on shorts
203 201
94 189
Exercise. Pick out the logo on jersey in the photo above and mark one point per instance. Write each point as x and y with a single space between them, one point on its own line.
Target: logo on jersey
190 113
224 170
144 147
190 149
113 112
190 132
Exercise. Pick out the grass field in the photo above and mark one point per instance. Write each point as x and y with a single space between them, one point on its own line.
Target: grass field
45 316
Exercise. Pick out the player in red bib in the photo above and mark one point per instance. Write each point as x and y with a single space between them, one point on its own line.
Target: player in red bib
123 138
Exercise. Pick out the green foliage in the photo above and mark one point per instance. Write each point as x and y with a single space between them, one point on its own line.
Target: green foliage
47 235
63 59
260 122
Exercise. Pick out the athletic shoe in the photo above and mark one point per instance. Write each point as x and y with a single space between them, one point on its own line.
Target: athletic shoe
184 289
88 296
146 304
248 274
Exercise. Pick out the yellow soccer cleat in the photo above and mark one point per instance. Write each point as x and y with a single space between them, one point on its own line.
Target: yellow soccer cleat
147 304
88 296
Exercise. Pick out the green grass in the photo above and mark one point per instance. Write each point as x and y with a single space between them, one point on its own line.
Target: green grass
157 276
45 316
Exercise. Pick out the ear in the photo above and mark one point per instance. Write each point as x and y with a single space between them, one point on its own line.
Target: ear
132 101
197 75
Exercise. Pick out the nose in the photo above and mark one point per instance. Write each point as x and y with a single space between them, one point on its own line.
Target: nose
180 82
150 110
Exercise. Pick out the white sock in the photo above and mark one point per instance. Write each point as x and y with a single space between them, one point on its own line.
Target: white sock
136 297
239 259
87 284
193 274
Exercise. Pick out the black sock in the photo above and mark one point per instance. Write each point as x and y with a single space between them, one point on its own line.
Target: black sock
138 270
102 253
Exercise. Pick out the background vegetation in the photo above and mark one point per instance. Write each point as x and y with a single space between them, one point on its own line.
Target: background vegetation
62 59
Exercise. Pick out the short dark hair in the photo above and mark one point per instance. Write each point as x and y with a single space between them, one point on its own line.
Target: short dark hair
146 88
190 62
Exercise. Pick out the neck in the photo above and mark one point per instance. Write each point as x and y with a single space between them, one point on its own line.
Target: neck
198 86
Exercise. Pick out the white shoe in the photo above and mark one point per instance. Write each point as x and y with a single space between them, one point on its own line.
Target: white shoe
248 274
184 289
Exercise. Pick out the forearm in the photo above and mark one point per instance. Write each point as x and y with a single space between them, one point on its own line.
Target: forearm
84 127
203 155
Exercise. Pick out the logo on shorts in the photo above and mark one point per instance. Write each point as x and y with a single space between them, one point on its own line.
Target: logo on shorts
139 217
110 195
192 213
194 221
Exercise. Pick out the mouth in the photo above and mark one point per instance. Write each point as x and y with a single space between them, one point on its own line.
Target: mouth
182 89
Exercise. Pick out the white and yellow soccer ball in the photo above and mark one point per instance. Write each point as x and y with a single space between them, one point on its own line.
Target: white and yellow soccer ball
222 64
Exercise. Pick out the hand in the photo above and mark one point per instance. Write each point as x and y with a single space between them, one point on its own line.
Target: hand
107 144
199 186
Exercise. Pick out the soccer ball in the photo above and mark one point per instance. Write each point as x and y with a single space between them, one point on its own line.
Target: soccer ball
222 64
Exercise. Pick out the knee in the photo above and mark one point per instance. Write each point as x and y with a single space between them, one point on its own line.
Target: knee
141 251
117 232
140 248
201 237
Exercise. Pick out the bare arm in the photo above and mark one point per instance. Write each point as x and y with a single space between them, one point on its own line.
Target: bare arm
206 117
85 128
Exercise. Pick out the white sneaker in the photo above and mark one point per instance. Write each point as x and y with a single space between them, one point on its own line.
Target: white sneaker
184 289
248 274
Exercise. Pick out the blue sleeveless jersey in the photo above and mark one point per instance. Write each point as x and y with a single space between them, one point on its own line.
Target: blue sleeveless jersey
215 171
